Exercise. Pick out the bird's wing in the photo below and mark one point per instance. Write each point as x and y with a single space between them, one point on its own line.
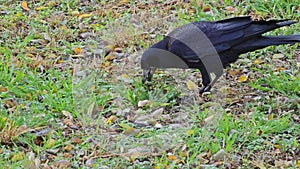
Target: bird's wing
225 34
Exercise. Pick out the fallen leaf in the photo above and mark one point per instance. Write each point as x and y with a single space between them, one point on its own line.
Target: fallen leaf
220 155
142 103
191 85
76 140
111 119
278 56
67 114
234 72
122 2
190 132
298 163
206 8
18 156
62 164
243 78
68 148
50 143
172 157
277 151
110 57
40 8
3 89
82 16
257 61
283 164
25 6
77 50
280 69
230 9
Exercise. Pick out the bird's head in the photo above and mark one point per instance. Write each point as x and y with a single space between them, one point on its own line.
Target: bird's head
151 59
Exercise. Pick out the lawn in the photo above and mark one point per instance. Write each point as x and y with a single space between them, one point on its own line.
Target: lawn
71 94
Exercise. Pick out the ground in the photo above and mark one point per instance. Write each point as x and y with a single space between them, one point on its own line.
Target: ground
71 94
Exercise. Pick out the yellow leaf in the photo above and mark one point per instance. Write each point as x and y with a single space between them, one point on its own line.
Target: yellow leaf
68 148
50 143
24 6
280 69
242 78
123 2
40 8
110 57
111 119
278 56
77 50
111 47
298 163
125 76
191 85
85 16
17 157
172 157
190 132
277 146
257 61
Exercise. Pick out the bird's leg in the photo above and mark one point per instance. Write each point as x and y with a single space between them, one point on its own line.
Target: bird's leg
206 81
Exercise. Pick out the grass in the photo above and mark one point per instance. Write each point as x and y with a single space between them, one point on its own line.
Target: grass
65 104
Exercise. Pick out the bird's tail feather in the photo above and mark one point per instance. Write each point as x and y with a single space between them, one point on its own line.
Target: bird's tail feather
265 41
260 27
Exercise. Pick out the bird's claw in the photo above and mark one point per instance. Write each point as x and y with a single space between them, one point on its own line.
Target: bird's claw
205 89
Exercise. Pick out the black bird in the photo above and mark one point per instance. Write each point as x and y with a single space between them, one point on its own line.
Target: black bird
212 46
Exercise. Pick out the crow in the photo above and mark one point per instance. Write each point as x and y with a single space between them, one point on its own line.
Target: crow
212 46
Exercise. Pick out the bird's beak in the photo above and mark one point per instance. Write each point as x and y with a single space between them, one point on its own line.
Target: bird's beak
147 74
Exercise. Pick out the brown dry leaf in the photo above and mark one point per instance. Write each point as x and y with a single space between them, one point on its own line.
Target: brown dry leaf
3 89
184 151
62 164
234 72
172 157
82 16
280 69
25 6
111 119
243 78
277 151
77 50
67 155
191 85
68 148
67 114
259 132
206 8
230 9
110 57
122 2
76 140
